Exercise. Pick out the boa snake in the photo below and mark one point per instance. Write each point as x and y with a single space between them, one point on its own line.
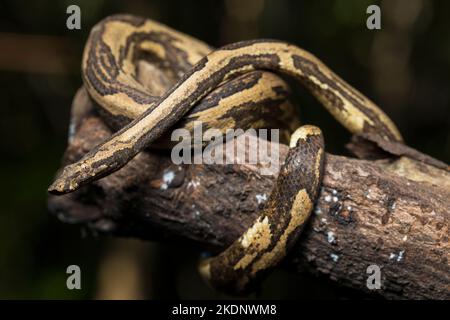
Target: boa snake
217 87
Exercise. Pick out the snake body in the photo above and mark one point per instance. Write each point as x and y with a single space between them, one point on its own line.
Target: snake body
218 87
239 268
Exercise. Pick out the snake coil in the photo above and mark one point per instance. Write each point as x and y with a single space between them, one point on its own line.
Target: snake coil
218 87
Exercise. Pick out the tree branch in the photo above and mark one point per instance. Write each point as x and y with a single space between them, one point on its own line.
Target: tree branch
392 213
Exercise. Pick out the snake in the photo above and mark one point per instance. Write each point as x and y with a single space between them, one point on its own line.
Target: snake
231 86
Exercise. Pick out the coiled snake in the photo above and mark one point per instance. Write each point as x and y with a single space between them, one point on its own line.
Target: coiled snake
217 87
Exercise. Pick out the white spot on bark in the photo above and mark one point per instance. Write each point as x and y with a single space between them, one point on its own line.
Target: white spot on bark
334 257
405 238
335 199
260 198
327 198
331 238
193 183
397 257
400 255
167 179
72 131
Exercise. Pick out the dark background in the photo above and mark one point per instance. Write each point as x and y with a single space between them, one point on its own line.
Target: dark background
405 68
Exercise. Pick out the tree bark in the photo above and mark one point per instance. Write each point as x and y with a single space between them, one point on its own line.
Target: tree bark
391 213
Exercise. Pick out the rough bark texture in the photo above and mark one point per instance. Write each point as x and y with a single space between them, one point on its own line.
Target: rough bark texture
391 213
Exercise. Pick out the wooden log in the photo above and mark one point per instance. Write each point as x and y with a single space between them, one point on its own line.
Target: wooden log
390 213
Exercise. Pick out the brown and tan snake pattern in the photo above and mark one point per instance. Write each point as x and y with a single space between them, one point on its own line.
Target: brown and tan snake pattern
218 87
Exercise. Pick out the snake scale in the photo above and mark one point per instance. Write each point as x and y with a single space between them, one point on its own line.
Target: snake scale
218 87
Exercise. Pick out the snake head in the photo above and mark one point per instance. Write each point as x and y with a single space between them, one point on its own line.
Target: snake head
67 181
74 176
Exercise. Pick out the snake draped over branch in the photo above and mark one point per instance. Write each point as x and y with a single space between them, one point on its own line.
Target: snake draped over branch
229 87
